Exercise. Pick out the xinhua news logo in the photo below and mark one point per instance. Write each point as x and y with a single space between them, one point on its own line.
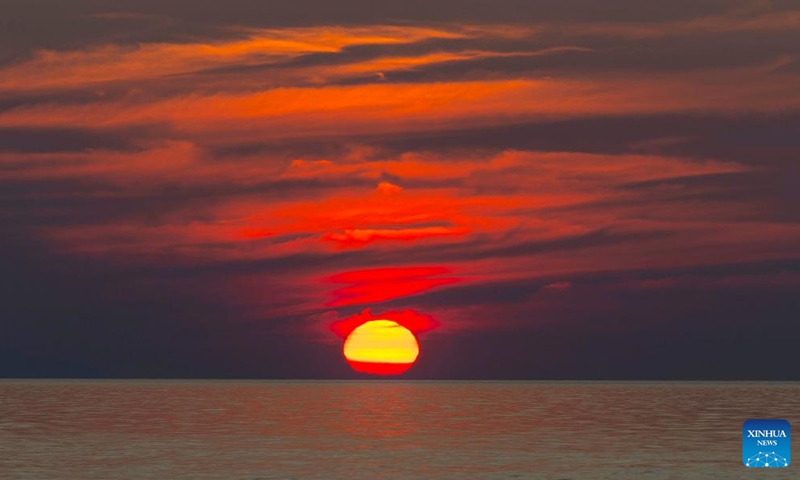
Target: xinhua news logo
766 443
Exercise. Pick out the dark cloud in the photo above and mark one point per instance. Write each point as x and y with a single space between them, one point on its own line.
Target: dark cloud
69 140
83 201
308 148
724 137
613 325
791 67
695 280
582 56
760 195
751 139
77 96
684 346
30 24
64 316
485 248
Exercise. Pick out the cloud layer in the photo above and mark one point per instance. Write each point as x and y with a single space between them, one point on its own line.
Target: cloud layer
221 189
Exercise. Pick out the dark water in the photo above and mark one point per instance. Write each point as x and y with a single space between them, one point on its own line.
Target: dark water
383 429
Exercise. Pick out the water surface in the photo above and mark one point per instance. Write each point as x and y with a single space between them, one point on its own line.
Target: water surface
383 429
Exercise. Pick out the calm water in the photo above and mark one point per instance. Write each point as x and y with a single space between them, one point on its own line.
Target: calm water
383 429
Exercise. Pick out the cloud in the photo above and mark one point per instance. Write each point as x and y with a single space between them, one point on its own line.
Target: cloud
414 321
563 172
356 237
65 139
387 188
382 284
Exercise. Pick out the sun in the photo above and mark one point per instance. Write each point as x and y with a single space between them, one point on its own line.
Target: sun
381 347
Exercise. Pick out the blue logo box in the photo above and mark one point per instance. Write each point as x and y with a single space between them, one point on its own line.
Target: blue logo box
766 443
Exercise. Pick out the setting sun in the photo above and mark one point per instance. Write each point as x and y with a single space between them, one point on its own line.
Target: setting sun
381 347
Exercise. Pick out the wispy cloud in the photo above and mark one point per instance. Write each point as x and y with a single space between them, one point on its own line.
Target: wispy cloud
473 170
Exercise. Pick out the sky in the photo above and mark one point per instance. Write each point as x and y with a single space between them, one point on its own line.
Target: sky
549 189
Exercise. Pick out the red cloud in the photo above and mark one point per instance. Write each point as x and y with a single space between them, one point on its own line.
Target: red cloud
414 321
361 237
379 285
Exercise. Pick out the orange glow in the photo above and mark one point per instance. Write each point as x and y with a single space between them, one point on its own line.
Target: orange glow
381 347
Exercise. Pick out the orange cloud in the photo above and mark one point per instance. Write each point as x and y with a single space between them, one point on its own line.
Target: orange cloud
387 188
300 112
55 69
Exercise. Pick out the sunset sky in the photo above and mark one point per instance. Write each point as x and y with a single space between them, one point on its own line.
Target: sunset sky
538 189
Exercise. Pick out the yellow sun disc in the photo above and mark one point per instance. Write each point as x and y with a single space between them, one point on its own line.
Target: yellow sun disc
381 341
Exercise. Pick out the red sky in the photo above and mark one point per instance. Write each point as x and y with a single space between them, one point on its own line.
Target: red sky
500 173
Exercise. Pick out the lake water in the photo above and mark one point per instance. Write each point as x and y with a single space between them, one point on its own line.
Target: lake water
383 429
